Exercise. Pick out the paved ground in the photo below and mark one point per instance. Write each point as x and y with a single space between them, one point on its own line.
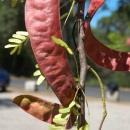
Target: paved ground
13 118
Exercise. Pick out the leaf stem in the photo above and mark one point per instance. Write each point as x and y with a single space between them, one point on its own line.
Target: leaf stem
102 88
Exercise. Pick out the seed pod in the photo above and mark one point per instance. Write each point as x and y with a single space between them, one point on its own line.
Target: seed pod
39 108
94 6
42 20
108 58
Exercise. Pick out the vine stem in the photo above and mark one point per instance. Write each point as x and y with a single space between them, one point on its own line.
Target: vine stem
102 88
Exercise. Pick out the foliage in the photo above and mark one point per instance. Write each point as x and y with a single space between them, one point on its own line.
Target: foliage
17 41
115 29
11 20
62 119
8 21
62 44
38 74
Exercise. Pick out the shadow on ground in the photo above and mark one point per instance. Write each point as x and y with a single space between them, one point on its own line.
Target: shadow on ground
6 102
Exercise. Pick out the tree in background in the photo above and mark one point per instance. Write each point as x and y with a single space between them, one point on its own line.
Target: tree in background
114 31
11 20
49 49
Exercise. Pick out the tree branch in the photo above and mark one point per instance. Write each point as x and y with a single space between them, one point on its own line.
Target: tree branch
83 64
82 57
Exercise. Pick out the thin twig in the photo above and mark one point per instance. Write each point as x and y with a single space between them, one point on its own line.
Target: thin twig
102 88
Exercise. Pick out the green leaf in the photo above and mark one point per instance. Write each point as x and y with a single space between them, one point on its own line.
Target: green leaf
37 66
73 103
40 80
37 73
19 49
69 51
64 110
17 41
60 119
24 33
10 45
61 43
53 127
21 37
13 40
77 105
14 50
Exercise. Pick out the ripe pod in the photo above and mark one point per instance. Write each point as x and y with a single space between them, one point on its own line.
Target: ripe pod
39 108
108 58
42 20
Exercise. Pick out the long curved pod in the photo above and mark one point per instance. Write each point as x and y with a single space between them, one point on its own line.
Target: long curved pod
98 52
42 20
104 56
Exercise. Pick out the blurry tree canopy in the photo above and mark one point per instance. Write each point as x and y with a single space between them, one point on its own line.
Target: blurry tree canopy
114 30
12 20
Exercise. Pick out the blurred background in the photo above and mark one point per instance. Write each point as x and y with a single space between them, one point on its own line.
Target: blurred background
111 25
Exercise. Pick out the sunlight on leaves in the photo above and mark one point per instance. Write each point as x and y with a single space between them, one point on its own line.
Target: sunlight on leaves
60 119
40 80
14 40
24 33
10 45
61 43
38 74
64 110
53 127
17 41
65 114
